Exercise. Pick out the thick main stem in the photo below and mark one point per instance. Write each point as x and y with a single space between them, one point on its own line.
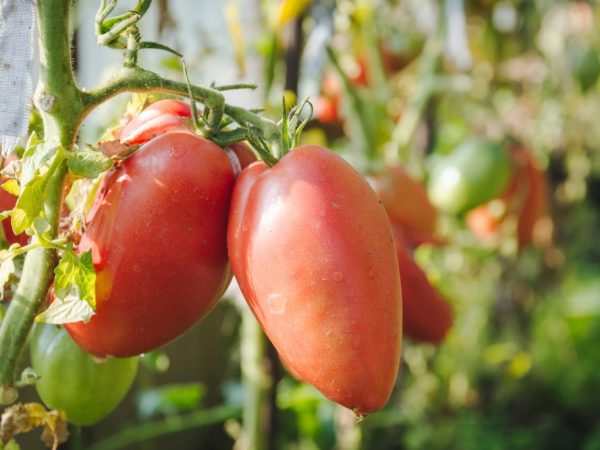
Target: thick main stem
34 283
255 377
60 105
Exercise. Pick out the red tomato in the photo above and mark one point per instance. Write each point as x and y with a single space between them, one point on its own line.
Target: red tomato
244 154
313 253
327 105
158 239
427 316
158 118
407 204
327 110
535 206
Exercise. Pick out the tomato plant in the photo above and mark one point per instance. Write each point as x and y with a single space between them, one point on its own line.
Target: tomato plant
157 233
313 253
474 173
70 379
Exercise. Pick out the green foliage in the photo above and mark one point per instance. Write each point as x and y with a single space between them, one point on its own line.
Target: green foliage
75 290
169 400
88 163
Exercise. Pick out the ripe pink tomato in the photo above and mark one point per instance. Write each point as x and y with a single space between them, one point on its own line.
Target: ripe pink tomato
312 250
157 233
427 315
407 204
156 119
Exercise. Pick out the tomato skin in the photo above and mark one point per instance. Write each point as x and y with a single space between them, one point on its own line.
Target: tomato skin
407 204
427 316
157 233
156 119
71 380
474 173
536 204
313 253
244 153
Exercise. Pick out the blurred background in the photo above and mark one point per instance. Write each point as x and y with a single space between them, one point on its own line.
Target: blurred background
409 82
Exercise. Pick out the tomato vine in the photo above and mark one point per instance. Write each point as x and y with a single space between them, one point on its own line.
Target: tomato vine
63 106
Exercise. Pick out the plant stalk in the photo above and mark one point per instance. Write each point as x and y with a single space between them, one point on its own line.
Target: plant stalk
168 425
136 79
258 383
60 105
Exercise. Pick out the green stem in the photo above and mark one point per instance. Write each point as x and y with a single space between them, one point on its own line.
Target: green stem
404 132
135 79
364 129
57 96
168 425
257 383
37 275
60 104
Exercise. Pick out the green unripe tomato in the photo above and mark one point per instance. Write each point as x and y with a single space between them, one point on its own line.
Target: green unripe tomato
72 380
477 171
585 65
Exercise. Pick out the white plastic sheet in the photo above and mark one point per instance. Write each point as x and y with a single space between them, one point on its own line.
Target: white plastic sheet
17 30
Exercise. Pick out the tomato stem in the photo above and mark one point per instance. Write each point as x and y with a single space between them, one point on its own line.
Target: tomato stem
406 128
364 131
37 275
171 425
136 79
61 106
258 382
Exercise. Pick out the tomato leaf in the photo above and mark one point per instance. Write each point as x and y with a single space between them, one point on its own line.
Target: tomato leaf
67 310
29 204
76 272
35 157
170 399
12 187
88 163
158 46
10 445
34 179
116 149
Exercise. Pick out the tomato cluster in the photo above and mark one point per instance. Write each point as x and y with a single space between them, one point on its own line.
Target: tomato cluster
427 316
307 239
